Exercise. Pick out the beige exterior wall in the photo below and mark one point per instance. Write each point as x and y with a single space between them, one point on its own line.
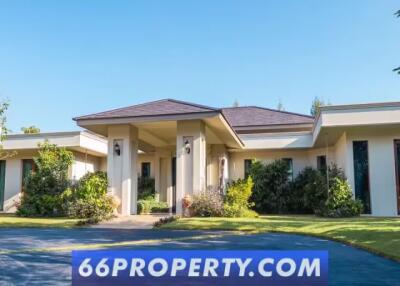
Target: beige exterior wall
301 159
381 166
13 177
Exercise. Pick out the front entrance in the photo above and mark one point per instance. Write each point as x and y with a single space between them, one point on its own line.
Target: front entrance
397 160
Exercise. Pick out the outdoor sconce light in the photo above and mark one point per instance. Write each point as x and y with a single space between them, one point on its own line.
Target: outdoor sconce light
187 147
117 149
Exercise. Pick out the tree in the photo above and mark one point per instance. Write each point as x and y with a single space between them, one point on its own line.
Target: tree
397 70
235 103
43 188
30 130
3 130
280 106
316 105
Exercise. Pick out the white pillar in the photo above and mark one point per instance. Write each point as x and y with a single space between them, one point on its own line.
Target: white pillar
157 173
121 168
190 164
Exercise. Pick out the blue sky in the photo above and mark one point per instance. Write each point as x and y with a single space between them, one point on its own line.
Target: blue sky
60 59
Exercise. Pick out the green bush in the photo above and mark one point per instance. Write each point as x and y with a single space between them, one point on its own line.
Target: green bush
340 202
237 199
207 204
151 205
43 190
308 191
88 199
271 186
146 188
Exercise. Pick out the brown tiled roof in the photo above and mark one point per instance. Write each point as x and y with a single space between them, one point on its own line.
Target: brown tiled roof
154 108
236 116
259 116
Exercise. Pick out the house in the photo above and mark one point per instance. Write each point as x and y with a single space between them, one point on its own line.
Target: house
18 151
188 147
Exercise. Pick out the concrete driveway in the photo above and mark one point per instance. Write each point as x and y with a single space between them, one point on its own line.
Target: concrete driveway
49 264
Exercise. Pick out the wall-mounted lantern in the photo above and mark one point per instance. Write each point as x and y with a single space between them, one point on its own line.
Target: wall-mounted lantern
117 149
187 147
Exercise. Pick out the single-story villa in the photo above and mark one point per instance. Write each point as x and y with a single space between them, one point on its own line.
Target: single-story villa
189 147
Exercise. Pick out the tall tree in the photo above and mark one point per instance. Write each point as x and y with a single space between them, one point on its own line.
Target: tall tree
316 105
280 106
4 131
30 130
235 103
397 70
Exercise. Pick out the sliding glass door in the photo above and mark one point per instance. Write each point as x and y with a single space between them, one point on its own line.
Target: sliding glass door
361 174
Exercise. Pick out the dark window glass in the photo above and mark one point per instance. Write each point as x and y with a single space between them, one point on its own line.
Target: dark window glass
247 167
397 159
321 163
361 173
289 162
28 166
146 169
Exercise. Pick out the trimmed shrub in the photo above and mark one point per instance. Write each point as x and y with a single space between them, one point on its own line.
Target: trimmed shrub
151 205
207 204
89 199
237 199
308 191
271 186
43 189
146 188
340 202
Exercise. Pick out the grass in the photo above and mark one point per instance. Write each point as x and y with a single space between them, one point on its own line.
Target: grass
11 220
377 235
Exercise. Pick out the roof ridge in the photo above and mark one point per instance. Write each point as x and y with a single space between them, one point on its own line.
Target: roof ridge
271 109
148 103
119 108
193 104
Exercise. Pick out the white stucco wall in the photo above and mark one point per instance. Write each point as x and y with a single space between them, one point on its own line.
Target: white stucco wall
13 176
381 166
300 158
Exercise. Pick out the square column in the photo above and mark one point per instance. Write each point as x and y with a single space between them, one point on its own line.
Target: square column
190 160
121 166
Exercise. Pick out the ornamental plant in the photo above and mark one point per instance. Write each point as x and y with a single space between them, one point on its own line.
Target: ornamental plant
236 202
44 187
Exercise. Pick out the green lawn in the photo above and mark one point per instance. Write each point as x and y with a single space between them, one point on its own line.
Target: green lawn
10 220
378 235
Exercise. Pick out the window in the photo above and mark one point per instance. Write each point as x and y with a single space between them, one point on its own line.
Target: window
321 163
247 167
2 182
397 166
289 162
361 173
28 166
145 169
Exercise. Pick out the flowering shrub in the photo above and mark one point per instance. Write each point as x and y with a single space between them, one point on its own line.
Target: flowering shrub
207 204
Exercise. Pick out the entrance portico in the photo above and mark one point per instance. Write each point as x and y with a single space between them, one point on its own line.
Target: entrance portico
197 138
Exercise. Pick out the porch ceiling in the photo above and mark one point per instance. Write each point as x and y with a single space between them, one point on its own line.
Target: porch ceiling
162 133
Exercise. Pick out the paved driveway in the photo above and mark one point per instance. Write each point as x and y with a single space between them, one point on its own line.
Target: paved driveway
51 264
